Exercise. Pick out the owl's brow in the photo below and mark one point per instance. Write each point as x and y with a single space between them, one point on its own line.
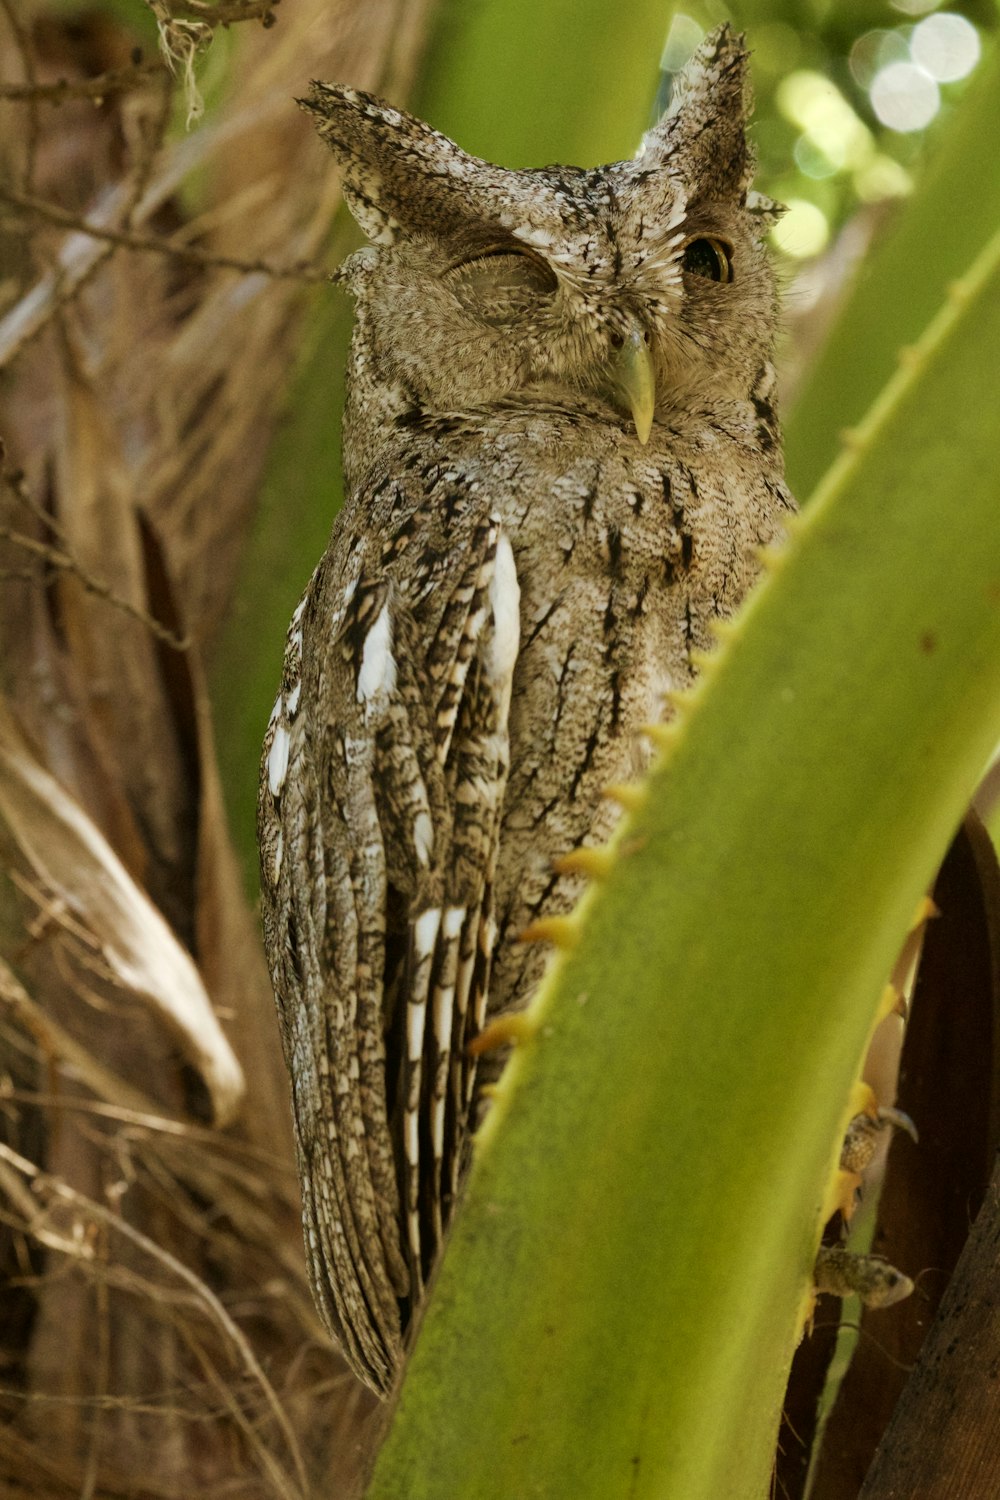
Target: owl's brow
707 217
485 240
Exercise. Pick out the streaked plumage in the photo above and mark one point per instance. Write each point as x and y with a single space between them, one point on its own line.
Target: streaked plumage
515 583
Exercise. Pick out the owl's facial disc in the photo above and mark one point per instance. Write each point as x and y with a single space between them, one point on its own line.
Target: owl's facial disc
633 382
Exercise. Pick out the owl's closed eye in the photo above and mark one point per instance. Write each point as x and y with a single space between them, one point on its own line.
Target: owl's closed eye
502 286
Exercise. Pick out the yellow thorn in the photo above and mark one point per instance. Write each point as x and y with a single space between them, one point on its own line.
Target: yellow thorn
840 1194
723 630
769 556
924 912
486 1090
862 1100
701 659
628 794
561 932
807 1310
851 438
660 734
502 1031
596 862
889 1003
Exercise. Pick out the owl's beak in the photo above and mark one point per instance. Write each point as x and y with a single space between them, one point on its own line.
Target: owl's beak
634 382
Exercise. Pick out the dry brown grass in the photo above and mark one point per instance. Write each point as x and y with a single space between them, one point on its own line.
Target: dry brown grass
157 1335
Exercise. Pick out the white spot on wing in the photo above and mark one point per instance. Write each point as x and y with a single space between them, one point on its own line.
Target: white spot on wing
437 1129
411 1133
377 676
425 931
415 1030
292 701
423 837
277 760
443 1006
453 919
350 589
505 601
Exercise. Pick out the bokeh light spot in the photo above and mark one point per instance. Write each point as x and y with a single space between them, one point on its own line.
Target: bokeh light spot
945 46
875 50
904 97
831 129
882 177
803 231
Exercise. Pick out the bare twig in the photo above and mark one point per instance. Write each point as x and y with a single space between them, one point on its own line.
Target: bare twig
56 1044
223 14
145 140
155 245
141 1124
52 913
228 1402
100 86
22 42
64 561
81 256
102 1373
61 560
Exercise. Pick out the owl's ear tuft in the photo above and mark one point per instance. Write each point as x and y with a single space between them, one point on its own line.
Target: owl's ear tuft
764 211
400 176
702 134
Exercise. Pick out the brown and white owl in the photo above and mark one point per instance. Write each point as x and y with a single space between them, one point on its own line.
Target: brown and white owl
561 455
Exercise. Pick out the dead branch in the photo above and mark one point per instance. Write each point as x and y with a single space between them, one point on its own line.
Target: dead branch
98 88
64 561
23 44
222 14
153 244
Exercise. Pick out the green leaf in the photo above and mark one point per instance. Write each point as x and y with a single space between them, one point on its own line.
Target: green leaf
525 82
616 1310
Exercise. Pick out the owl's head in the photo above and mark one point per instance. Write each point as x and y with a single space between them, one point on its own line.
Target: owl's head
640 290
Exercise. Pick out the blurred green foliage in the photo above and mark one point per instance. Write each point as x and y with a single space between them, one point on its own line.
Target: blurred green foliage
901 280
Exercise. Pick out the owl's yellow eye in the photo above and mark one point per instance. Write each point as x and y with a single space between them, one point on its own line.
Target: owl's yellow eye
710 258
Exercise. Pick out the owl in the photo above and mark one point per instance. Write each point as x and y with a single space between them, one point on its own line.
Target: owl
561 459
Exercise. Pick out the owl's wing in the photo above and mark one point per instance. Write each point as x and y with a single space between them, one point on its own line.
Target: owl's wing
385 768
